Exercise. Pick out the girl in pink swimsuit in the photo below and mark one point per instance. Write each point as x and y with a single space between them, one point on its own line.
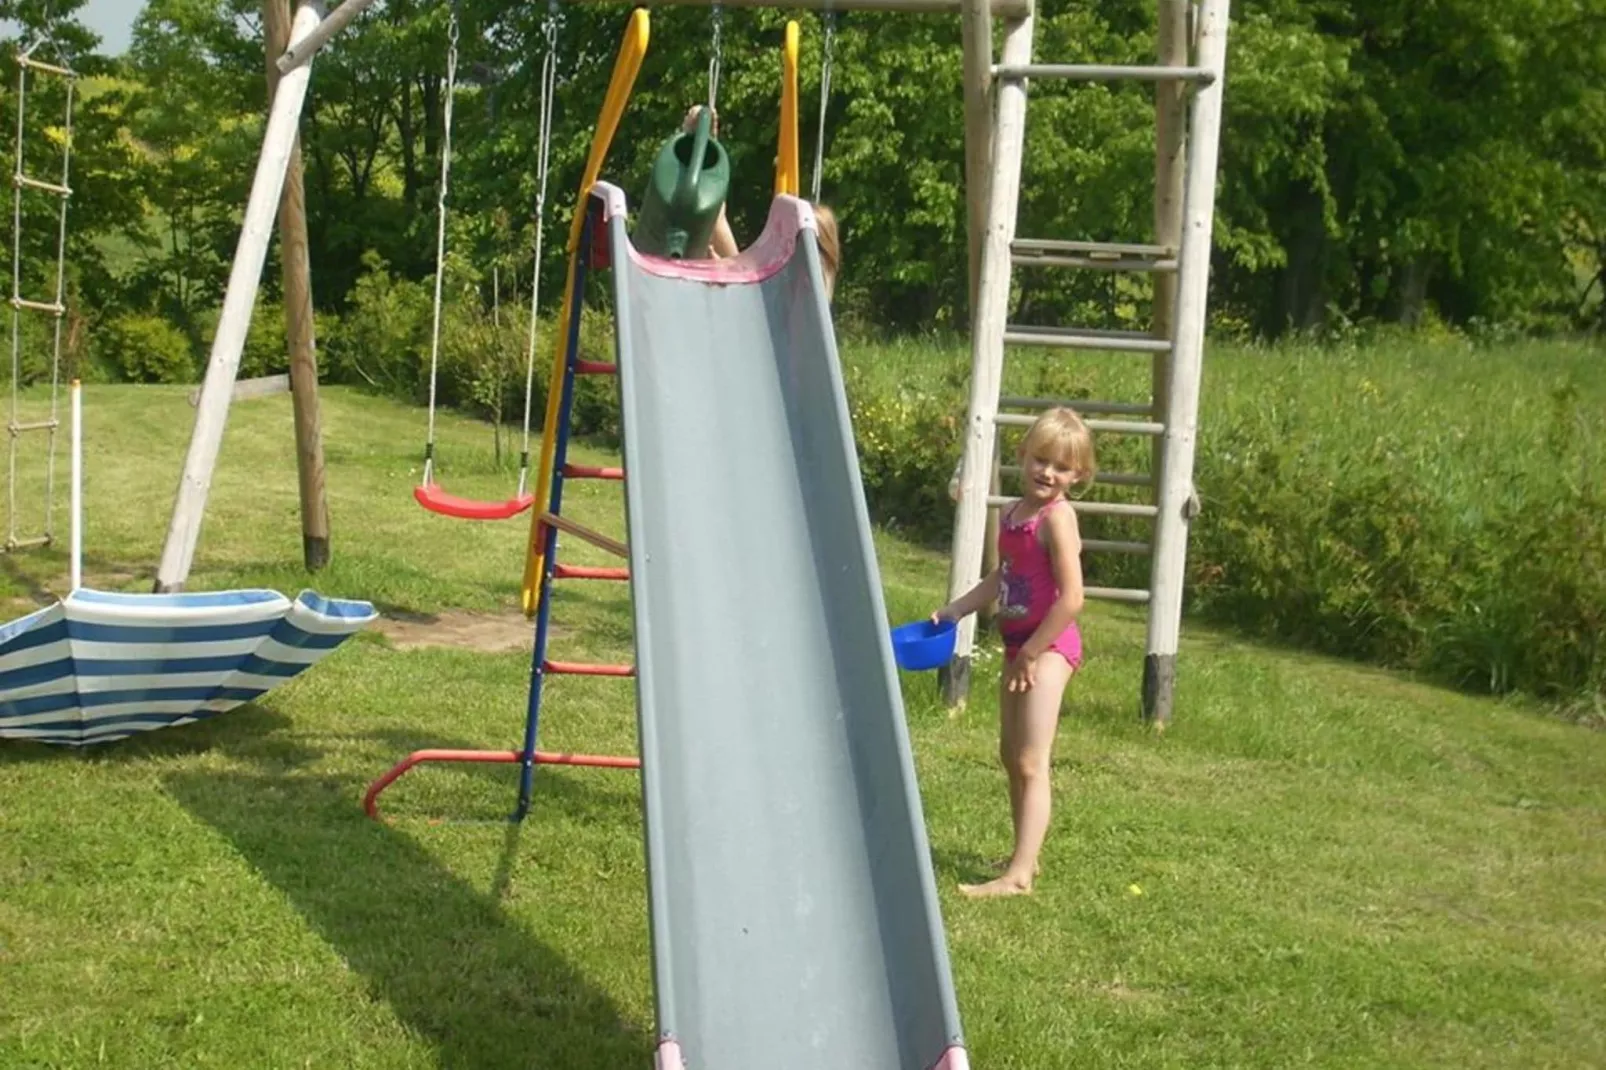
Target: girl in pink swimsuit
1038 587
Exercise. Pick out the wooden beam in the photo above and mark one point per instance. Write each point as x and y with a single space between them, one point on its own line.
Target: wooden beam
298 319
585 534
189 506
1003 9
1177 503
978 470
245 389
1170 168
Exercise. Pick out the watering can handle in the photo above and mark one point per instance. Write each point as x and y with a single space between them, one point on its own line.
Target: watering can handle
686 188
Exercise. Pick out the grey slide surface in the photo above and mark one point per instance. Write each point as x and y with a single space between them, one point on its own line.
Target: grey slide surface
794 914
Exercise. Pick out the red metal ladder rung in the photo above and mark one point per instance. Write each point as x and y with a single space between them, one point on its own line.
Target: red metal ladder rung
591 471
588 572
594 367
583 668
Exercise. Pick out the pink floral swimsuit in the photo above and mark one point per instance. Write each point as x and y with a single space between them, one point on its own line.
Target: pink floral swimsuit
1027 589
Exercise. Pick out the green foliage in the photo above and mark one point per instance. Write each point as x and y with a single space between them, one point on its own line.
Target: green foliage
144 348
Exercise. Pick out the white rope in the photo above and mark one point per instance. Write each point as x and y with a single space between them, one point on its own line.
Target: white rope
16 310
440 239
825 96
549 88
15 428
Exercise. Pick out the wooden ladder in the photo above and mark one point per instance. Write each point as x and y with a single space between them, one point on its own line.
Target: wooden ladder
1189 84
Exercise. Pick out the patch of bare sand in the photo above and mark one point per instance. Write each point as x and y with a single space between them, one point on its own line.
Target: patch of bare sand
494 633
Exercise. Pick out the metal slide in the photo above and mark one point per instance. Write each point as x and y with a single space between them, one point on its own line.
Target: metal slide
794 912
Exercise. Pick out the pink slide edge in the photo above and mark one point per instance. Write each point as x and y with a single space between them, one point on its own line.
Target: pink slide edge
757 262
669 1057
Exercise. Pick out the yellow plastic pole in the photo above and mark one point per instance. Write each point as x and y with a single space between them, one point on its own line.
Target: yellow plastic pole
631 52
786 164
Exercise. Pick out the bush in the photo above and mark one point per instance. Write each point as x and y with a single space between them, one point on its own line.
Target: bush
267 343
142 348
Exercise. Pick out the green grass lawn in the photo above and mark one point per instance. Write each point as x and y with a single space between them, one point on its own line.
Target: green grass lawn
1318 865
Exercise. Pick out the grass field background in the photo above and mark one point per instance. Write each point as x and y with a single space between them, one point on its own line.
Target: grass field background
1320 864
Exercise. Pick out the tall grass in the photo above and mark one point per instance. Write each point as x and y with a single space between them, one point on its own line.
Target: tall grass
1423 503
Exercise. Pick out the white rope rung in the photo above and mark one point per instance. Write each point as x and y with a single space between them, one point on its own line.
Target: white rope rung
49 68
30 542
38 425
33 183
39 306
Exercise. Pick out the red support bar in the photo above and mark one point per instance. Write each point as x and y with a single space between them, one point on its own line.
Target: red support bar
589 471
370 801
588 572
581 668
594 367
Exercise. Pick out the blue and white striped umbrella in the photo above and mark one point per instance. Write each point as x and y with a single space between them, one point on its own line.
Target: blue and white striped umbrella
101 666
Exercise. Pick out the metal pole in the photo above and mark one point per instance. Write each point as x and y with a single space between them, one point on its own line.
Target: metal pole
77 553
238 300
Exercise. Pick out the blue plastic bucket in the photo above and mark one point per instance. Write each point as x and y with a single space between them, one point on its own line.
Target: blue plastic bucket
922 645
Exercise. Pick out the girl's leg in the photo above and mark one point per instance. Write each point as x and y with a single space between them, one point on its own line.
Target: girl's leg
1035 717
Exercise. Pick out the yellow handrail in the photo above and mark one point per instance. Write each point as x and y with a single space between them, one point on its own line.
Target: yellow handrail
631 52
786 163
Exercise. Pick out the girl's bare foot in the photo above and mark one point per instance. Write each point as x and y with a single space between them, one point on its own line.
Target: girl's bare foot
1008 884
1002 866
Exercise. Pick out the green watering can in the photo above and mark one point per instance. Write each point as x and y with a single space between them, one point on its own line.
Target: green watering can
684 196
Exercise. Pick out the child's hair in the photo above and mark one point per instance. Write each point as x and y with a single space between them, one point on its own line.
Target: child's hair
830 246
1061 435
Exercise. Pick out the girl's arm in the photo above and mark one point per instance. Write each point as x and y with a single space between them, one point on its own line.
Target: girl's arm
984 593
722 243
1064 540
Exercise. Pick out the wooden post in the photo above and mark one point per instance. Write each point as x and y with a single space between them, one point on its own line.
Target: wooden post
1170 168
298 320
987 352
1177 504
189 506
976 35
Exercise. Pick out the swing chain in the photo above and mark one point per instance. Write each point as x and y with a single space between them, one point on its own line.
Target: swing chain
549 89
828 50
714 57
440 234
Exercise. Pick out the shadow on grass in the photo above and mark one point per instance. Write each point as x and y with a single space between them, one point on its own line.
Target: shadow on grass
452 965
252 732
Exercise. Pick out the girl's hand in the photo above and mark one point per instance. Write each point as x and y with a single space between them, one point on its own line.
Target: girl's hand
690 122
947 612
1023 672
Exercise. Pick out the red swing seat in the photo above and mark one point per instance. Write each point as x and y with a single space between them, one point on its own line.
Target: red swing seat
431 497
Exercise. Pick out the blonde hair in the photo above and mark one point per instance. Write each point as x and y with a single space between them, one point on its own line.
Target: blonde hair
1060 435
830 246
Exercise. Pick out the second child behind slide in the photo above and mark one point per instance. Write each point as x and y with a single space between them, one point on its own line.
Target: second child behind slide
723 245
